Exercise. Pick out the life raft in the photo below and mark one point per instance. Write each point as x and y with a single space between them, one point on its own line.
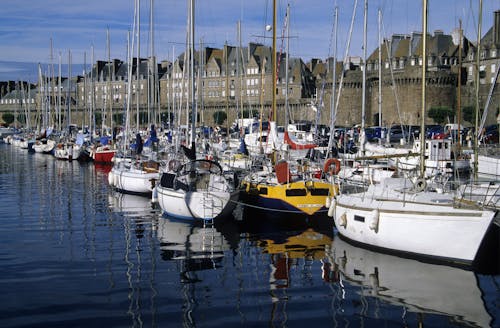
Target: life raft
332 166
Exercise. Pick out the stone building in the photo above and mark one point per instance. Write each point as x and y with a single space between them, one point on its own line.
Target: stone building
399 69
17 98
236 80
104 91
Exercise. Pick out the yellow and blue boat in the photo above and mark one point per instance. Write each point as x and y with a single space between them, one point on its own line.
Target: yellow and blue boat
281 190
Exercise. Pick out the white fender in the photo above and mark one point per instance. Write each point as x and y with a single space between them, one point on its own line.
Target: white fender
154 195
327 202
374 220
333 205
343 220
117 180
111 178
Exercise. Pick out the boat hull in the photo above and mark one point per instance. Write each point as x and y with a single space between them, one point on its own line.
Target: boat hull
295 197
418 229
104 156
204 205
133 181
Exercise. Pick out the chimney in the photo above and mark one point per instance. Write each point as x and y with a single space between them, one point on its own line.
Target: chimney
496 27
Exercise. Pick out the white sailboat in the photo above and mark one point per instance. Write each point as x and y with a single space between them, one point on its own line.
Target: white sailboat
403 216
198 188
128 175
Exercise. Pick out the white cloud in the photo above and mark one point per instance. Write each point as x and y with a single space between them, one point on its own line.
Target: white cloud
26 26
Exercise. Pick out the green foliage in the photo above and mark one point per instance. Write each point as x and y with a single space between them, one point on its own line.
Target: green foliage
119 118
219 117
98 119
21 118
468 114
8 118
441 114
250 113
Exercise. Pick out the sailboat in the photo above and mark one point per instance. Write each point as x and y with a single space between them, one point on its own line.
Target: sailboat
405 216
128 175
278 186
196 189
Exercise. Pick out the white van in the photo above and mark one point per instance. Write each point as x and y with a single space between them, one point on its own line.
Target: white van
452 127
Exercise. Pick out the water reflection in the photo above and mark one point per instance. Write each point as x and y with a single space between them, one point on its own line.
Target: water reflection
194 246
132 205
417 287
294 248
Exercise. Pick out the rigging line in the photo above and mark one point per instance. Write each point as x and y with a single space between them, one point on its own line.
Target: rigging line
346 54
394 85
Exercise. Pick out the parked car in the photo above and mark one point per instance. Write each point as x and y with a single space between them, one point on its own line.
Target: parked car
411 132
374 133
434 131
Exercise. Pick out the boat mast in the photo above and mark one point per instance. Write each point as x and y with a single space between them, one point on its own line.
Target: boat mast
363 101
241 71
334 86
274 63
424 68
191 76
110 76
459 100
68 99
287 104
476 124
380 76
59 96
137 63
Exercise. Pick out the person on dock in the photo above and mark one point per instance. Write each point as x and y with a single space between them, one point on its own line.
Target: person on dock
153 137
138 145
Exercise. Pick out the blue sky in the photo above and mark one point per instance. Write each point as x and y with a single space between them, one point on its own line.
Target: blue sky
27 26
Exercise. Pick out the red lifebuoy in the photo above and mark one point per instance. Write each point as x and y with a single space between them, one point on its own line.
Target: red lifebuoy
332 166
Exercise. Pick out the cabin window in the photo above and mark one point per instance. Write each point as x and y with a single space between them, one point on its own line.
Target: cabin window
320 192
296 192
359 218
263 191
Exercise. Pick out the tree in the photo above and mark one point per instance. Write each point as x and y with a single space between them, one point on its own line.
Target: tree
118 118
247 113
219 117
441 114
21 118
8 118
468 114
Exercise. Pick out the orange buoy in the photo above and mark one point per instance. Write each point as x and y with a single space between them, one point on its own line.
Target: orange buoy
332 166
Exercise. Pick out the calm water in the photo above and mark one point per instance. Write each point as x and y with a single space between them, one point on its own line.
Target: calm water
76 254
